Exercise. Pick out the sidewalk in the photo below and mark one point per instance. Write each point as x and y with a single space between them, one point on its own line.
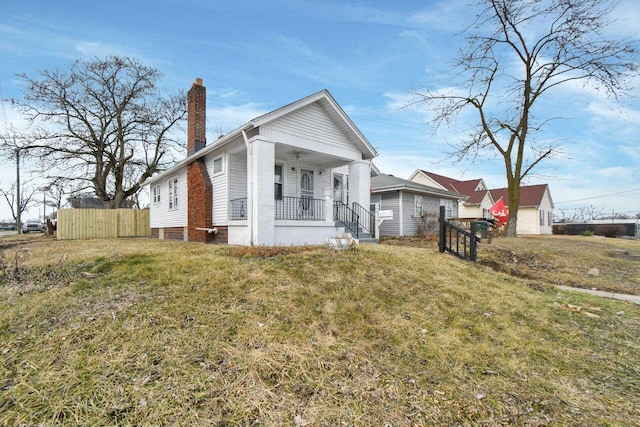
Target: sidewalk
632 298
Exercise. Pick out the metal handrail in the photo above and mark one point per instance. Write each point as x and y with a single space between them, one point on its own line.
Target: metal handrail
238 209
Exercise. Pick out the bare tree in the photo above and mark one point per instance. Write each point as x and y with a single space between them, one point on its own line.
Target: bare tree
55 195
26 200
103 123
590 212
519 51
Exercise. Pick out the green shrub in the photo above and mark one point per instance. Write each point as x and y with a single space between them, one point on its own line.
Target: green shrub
587 232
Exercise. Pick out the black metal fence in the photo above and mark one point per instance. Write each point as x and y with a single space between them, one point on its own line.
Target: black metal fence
238 209
455 240
299 209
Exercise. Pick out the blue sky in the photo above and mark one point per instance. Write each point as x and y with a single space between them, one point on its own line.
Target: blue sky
255 56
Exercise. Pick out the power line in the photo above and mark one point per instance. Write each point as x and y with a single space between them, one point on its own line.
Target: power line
599 197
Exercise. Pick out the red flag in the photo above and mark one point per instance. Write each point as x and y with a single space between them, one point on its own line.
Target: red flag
499 212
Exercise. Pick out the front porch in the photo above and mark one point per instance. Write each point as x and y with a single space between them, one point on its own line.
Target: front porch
282 195
287 209
303 220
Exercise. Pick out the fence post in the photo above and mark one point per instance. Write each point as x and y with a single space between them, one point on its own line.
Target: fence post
442 237
472 244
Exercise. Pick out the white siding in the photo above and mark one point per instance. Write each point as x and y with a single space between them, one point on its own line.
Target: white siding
219 187
529 217
528 220
323 182
290 180
423 179
547 206
310 128
160 215
237 173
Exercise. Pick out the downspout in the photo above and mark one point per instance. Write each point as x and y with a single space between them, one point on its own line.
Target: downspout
249 187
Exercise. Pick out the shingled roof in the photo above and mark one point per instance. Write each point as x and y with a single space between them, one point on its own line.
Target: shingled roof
530 195
468 187
384 182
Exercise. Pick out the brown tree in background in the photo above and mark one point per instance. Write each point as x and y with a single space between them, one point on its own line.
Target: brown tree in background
102 124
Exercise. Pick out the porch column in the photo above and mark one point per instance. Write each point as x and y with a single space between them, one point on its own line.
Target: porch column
262 192
328 204
360 182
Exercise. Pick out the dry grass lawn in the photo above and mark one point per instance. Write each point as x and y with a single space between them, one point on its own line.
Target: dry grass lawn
144 332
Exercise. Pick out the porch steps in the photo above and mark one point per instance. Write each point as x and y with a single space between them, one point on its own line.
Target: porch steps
363 236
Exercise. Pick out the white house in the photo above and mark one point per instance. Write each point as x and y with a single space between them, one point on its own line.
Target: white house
292 176
478 201
535 215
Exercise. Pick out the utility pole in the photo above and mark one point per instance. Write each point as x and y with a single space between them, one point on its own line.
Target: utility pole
18 201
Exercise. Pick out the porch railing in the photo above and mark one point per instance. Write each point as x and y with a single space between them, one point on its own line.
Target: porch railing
367 219
299 209
238 209
356 219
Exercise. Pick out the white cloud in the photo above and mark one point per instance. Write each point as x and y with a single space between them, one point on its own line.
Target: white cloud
627 16
228 117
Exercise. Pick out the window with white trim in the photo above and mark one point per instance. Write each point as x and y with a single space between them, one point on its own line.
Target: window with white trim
541 217
278 181
418 202
156 195
173 193
549 218
218 166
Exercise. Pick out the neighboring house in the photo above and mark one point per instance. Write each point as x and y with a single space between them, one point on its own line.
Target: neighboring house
414 205
276 180
535 215
478 201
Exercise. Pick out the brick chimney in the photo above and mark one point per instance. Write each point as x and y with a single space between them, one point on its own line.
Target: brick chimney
196 117
199 188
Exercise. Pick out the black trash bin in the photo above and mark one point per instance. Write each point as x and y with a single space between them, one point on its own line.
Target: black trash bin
481 227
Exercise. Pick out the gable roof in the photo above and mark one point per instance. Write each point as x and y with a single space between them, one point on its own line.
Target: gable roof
468 187
323 98
383 183
530 195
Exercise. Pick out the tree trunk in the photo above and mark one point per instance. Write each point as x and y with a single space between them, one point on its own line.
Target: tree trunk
514 204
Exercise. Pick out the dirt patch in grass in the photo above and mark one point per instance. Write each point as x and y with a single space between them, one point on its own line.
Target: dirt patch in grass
578 261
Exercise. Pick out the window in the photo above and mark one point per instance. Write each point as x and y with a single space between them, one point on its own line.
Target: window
217 165
156 195
277 179
549 218
173 193
449 209
541 217
418 202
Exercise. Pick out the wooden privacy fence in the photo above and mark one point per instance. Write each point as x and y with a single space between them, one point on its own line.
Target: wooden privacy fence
102 223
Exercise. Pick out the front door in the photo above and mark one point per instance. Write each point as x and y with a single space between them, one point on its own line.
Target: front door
306 192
